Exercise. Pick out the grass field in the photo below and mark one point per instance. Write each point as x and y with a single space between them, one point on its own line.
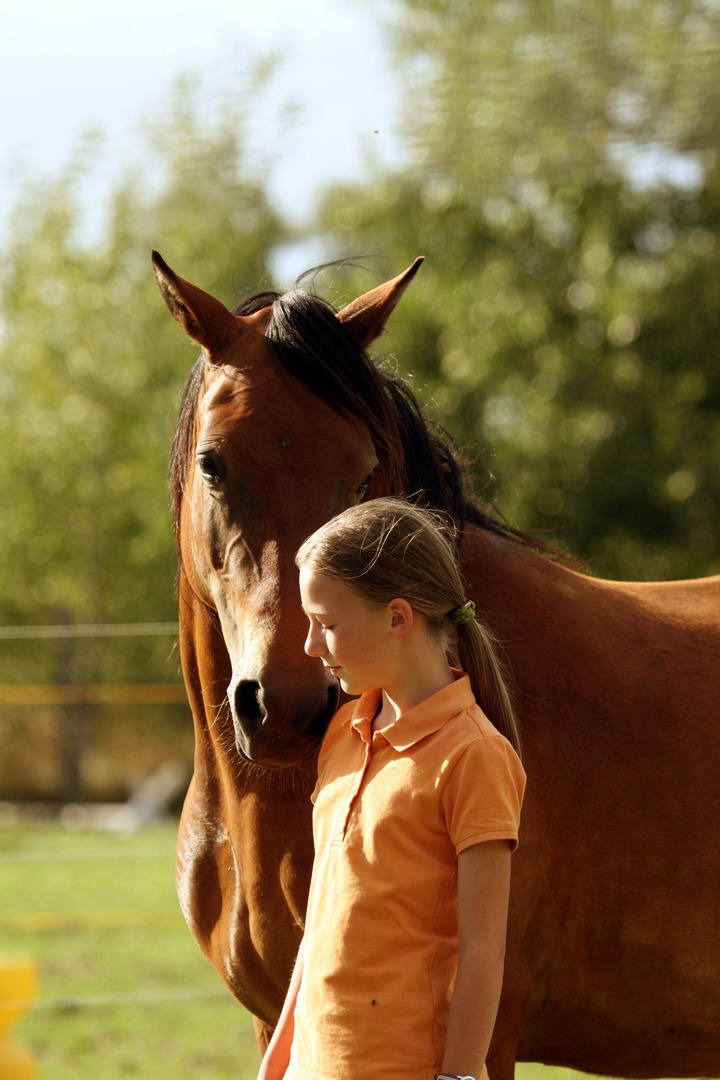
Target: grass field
99 915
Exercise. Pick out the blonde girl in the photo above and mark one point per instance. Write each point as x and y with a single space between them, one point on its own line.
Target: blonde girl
416 813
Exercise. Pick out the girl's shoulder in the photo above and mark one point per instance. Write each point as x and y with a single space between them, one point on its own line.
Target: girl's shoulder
480 724
475 747
472 725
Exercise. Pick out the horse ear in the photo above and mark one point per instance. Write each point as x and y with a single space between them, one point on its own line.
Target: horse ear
366 316
203 318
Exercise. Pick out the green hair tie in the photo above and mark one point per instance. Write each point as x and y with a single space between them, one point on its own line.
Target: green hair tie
464 613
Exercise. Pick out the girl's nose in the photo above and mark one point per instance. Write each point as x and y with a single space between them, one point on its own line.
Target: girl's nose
314 644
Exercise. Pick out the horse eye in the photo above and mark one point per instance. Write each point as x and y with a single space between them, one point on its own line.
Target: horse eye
365 485
211 466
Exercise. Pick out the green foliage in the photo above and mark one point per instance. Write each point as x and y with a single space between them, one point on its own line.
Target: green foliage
504 89
565 324
90 374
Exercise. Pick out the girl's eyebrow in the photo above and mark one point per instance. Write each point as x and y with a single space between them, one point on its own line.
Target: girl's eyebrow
317 613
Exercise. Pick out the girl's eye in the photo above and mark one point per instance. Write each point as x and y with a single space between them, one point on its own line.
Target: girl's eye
212 467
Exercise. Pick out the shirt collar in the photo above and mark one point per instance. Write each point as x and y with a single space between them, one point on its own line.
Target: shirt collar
427 717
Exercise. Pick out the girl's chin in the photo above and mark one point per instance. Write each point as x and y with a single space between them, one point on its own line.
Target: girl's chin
353 688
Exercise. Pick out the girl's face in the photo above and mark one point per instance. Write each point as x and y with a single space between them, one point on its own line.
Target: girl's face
352 638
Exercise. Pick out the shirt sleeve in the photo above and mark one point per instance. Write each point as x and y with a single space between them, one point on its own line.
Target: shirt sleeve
483 794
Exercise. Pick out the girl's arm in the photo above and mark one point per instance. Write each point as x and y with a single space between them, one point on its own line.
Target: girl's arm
277 1056
483 892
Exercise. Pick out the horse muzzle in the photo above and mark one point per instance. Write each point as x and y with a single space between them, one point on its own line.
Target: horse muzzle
276 733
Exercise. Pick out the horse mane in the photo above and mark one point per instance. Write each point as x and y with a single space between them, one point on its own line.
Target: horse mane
418 457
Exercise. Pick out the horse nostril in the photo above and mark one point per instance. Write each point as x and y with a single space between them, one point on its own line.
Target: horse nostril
248 709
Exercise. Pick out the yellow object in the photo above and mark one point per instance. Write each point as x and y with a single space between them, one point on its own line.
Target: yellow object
18 988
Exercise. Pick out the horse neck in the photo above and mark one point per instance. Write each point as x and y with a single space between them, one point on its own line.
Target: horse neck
510 576
570 640
532 604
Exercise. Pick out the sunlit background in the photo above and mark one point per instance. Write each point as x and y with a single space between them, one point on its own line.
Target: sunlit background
81 66
557 165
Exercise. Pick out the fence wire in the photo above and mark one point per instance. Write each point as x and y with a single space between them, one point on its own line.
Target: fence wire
89 630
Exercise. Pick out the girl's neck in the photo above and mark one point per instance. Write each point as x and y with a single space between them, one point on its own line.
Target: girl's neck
412 688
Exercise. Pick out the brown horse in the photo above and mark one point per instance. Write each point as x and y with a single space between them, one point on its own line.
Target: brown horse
613 959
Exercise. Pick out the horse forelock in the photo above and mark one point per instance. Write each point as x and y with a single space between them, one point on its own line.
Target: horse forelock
314 347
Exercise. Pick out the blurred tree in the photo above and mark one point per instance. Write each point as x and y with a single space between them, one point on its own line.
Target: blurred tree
565 325
91 368
501 90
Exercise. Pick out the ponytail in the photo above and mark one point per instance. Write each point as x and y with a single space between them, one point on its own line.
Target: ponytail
478 657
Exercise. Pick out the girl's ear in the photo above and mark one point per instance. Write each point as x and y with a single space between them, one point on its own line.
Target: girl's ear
402 617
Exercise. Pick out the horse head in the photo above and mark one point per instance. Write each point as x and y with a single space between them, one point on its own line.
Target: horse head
279 434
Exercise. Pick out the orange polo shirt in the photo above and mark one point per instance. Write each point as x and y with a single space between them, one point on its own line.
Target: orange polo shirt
393 810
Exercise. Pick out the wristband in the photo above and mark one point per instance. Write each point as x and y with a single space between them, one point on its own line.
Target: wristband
448 1076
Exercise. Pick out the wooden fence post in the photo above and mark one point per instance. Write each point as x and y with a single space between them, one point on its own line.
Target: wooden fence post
72 727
